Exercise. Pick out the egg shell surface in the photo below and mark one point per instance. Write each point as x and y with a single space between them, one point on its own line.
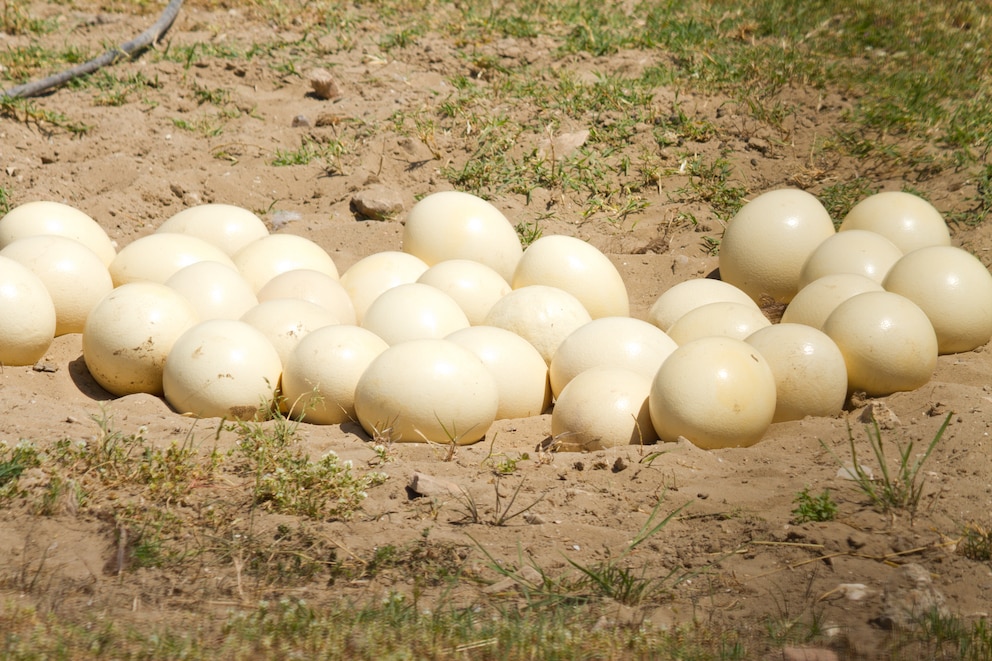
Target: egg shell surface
519 370
769 239
322 372
44 217
457 225
809 369
888 343
129 333
226 226
431 391
75 276
953 288
27 315
575 266
717 392
603 407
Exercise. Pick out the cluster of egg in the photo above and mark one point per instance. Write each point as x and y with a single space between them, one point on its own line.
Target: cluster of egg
464 327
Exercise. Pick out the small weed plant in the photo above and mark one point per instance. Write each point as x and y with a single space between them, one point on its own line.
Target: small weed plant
902 488
814 508
286 480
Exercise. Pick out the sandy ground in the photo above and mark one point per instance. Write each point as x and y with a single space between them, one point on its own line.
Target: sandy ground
745 560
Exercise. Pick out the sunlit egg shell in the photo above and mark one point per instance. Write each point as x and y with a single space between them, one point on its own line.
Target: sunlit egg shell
432 391
216 290
542 315
616 342
717 392
603 408
286 321
370 276
814 302
75 277
41 217
887 341
27 315
575 266
519 370
810 374
314 286
456 225
473 285
413 311
222 368
769 239
226 226
905 219
691 294
129 333
723 318
953 288
322 372
265 258
157 257
855 251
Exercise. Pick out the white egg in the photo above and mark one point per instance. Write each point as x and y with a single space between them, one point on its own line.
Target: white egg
265 258
723 318
217 291
690 294
953 288
473 285
601 408
222 368
519 370
314 286
432 391
413 311
226 226
717 392
616 342
769 239
542 315
27 315
371 276
41 217
575 266
855 251
888 343
286 321
907 220
157 257
814 302
129 333
75 277
322 372
810 374
456 225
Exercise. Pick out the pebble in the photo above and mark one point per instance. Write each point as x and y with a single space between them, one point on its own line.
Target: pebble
377 203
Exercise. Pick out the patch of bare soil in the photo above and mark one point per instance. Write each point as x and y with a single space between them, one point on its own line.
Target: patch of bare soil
747 562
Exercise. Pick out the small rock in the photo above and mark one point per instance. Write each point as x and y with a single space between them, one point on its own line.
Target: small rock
377 203
808 654
856 540
45 366
301 121
909 595
425 485
853 591
534 519
323 84
880 413
564 145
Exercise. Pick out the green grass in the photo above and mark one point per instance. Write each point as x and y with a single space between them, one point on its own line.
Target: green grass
810 507
898 488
